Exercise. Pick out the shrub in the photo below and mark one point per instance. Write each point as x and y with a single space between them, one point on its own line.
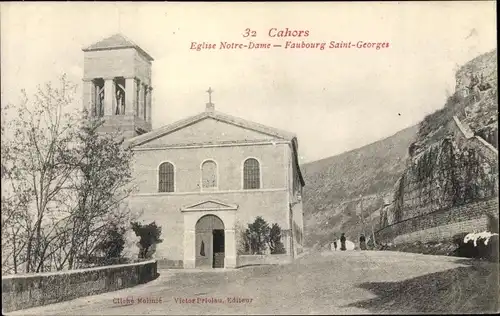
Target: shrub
494 249
483 245
149 236
463 249
243 245
113 242
275 243
486 244
257 235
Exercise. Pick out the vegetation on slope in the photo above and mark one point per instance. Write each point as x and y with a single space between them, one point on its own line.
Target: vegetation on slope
474 103
332 202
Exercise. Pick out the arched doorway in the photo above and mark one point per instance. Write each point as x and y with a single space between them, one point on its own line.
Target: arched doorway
209 242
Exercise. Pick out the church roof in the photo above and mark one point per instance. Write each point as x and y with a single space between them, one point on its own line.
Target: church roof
141 139
116 41
144 138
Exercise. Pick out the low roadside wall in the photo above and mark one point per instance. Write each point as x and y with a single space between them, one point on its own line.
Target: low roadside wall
170 264
30 290
248 260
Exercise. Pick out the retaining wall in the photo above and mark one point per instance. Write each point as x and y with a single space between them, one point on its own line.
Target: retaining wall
427 210
443 224
30 290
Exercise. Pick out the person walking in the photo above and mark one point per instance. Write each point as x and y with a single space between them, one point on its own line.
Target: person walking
342 242
362 242
335 244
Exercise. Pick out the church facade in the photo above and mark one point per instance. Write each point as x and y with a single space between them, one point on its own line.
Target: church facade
202 179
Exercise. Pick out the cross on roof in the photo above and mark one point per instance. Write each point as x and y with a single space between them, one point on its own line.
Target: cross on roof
210 91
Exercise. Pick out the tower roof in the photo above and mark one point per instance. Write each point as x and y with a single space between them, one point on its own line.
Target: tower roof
116 41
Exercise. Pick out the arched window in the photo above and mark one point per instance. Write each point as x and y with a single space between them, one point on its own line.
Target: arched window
209 175
251 174
166 177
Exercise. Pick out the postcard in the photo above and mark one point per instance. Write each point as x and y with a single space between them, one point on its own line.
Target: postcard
169 158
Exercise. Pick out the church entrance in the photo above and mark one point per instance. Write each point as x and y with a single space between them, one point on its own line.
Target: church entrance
209 242
218 241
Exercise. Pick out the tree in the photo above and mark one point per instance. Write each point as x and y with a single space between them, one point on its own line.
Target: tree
275 244
242 244
257 235
13 202
113 243
63 183
40 134
149 236
101 184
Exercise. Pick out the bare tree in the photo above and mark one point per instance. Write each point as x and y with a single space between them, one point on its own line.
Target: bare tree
101 184
42 131
63 182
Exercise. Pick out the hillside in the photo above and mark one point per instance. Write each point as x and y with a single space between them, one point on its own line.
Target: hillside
474 102
447 167
332 197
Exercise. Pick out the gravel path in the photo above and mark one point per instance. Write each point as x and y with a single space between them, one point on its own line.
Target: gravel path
353 282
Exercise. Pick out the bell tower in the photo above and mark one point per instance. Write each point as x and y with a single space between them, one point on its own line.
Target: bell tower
117 85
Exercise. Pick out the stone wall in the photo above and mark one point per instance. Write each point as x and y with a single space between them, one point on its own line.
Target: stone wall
170 264
450 188
248 260
460 169
25 291
442 224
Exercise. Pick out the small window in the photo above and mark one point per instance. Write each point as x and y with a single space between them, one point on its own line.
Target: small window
209 174
166 177
145 103
119 96
137 97
251 174
98 103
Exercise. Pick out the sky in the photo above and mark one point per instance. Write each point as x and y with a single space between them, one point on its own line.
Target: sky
334 100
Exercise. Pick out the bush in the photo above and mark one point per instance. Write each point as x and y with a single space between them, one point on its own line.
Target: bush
488 249
149 236
257 235
275 244
478 246
113 242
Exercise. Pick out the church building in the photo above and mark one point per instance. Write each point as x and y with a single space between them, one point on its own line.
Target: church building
203 179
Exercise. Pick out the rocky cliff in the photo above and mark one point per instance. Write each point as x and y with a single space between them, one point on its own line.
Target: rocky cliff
474 102
454 160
